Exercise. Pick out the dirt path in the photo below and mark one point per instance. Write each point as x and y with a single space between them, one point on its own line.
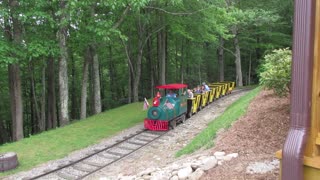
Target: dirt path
256 137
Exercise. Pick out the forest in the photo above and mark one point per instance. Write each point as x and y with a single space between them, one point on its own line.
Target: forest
64 60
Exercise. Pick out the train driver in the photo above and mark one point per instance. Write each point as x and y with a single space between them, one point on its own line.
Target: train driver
171 94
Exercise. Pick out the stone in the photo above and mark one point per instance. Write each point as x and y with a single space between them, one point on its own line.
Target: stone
146 177
175 177
160 175
184 173
147 171
103 178
219 163
219 153
195 165
233 155
196 175
208 163
128 177
262 167
219 157
226 158
202 157
175 172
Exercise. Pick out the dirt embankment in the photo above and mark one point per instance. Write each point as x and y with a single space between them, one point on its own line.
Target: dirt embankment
255 136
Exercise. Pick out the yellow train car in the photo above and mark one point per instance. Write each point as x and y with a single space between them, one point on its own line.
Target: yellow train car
224 87
205 99
201 100
193 104
231 86
218 90
212 94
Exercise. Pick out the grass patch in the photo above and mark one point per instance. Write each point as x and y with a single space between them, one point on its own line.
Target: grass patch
58 143
232 113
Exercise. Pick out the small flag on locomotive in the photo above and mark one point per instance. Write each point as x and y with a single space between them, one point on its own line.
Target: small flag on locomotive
145 104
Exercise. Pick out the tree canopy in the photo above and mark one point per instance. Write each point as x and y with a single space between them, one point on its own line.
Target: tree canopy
62 60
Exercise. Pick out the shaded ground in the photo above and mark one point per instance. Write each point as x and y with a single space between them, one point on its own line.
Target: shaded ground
256 137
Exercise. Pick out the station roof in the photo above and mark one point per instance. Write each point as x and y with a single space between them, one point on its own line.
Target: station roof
171 86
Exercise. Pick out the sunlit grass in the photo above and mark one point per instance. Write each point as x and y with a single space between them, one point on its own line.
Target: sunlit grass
58 143
232 113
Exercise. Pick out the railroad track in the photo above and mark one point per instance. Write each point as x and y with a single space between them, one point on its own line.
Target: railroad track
101 158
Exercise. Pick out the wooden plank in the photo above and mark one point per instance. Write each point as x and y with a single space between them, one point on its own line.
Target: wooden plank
311 149
312 162
317 141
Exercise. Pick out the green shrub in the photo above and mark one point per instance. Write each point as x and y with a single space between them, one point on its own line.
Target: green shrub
275 71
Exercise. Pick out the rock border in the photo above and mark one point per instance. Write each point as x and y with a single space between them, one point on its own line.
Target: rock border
191 169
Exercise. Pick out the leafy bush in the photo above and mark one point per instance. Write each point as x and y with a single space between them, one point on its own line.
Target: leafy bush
275 71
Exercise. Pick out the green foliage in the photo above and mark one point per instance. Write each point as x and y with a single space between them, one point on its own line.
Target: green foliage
192 29
275 71
231 114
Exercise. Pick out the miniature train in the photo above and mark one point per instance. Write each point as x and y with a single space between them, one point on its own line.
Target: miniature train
166 112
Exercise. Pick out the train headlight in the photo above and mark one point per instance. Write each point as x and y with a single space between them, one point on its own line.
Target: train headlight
155 113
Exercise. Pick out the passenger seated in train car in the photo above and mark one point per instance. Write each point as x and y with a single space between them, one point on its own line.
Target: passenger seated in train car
206 86
203 89
171 94
194 90
198 90
189 93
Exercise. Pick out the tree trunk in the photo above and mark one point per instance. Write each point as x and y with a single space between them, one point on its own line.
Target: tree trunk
74 94
42 121
238 56
14 75
63 68
136 79
3 134
33 117
150 63
137 72
52 110
182 63
35 106
258 50
162 52
16 102
129 85
84 89
113 75
249 71
220 53
96 81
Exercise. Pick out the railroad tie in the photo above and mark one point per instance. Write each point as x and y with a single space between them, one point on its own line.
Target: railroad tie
136 143
67 176
83 168
149 135
127 148
93 163
115 153
108 156
143 139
